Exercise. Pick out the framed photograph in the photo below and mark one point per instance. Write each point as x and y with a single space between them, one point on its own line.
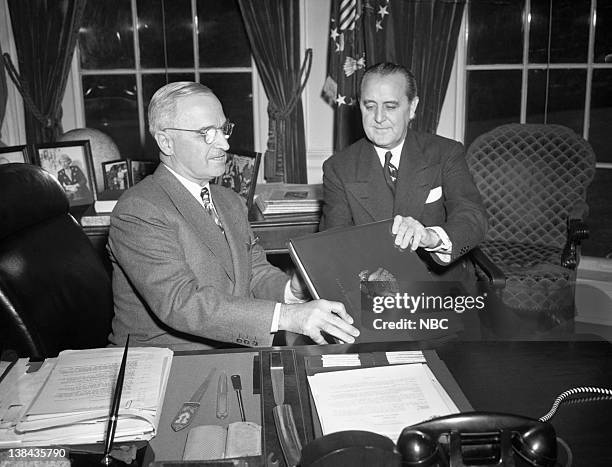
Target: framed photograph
140 169
116 175
71 164
240 174
14 154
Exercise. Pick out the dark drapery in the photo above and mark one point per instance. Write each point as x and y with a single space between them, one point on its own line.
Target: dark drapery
3 97
45 36
273 30
419 34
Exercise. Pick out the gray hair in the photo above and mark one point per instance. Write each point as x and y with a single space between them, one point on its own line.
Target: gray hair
162 108
388 68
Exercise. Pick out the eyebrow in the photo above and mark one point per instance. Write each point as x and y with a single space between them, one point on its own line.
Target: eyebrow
367 101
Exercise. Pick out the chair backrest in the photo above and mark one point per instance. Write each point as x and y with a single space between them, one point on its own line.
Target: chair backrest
531 176
55 293
241 169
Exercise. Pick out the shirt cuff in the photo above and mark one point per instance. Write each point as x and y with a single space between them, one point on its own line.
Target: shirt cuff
275 318
444 249
288 295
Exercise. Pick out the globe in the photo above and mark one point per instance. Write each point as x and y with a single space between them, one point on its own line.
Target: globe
103 149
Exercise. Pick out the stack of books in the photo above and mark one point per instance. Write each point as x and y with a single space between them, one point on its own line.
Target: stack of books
67 400
290 199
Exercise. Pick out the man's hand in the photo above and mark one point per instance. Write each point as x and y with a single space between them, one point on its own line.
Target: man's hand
298 288
410 232
313 317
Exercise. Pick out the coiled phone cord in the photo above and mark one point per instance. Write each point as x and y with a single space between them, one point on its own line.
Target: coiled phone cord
572 392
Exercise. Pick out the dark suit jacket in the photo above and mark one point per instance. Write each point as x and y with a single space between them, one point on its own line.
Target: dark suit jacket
355 191
176 280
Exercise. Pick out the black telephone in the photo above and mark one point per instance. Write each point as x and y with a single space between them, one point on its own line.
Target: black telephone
479 438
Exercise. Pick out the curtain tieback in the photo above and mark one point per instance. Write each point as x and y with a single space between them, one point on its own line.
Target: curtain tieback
277 113
46 120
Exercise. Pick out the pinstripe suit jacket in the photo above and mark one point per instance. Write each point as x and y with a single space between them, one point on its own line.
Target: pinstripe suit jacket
177 281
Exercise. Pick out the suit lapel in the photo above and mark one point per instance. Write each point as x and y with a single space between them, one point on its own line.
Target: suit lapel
194 214
369 186
413 180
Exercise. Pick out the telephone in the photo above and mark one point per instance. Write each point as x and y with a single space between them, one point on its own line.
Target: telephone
479 438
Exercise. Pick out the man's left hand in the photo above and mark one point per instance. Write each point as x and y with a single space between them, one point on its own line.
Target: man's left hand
298 288
411 233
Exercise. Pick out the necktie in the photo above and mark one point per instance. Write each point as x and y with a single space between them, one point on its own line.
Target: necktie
205 195
390 172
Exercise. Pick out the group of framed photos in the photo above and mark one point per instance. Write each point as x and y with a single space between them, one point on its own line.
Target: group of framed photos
71 163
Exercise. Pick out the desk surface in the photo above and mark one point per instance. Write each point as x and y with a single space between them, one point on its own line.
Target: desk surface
515 377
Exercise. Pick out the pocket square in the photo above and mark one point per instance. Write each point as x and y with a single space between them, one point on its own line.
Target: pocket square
434 195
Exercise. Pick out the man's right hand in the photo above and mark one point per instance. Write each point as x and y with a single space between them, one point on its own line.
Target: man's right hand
311 318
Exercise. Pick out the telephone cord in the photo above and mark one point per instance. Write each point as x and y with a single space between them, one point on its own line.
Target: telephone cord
571 392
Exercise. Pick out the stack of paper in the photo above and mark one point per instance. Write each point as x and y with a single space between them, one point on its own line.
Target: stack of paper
291 199
67 401
383 399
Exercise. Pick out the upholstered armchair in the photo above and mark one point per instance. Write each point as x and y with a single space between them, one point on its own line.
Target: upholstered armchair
55 293
533 179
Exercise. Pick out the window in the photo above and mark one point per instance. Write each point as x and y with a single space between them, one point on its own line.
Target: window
130 48
541 61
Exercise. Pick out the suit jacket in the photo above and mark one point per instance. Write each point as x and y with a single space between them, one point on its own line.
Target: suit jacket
431 167
177 281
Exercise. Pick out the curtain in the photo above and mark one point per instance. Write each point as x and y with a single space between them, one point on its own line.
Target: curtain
45 36
419 34
3 97
273 30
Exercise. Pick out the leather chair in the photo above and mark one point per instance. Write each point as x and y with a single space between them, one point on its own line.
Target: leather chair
55 293
533 179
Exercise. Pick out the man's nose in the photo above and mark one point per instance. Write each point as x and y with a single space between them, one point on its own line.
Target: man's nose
222 142
380 115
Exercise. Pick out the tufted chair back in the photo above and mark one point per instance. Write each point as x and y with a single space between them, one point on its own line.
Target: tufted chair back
55 293
533 180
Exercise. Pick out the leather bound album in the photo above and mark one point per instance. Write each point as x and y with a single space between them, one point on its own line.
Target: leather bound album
361 267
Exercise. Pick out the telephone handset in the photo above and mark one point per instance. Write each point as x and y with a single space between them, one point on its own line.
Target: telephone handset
479 438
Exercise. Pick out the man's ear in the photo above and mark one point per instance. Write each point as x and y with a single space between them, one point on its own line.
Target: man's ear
165 143
413 106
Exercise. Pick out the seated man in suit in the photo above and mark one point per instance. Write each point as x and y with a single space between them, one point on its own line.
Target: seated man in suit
187 270
419 179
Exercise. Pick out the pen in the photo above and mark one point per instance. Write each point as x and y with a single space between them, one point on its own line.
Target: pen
237 384
114 410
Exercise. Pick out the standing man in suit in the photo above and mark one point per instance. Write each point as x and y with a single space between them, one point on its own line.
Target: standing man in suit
187 270
73 180
418 179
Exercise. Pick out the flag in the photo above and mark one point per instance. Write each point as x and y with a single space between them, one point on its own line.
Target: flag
353 30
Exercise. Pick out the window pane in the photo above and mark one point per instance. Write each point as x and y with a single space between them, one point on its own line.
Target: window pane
569 31
221 34
495 32
111 106
236 95
566 95
174 20
600 132
106 38
150 84
603 33
493 98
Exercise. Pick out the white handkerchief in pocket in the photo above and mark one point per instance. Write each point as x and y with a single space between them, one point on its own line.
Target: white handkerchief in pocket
434 195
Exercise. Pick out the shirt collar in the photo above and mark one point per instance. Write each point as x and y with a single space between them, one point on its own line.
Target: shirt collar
395 157
191 186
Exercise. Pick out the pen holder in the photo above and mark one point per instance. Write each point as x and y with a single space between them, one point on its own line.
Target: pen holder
287 434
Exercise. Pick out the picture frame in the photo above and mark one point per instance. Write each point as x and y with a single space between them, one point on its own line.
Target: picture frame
71 164
139 169
241 170
19 154
116 175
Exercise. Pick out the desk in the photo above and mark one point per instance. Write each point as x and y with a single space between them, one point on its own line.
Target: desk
515 377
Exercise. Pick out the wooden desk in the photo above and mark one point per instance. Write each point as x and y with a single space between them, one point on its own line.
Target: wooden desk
515 377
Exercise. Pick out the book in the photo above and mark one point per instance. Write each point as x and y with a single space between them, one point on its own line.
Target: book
70 400
91 218
290 198
361 267
210 442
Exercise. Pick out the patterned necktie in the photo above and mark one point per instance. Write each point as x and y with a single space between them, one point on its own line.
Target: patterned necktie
205 195
390 172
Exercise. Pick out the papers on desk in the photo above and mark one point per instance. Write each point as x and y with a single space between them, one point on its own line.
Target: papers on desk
67 401
383 399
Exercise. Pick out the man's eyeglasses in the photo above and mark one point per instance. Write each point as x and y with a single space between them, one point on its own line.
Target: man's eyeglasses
210 133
